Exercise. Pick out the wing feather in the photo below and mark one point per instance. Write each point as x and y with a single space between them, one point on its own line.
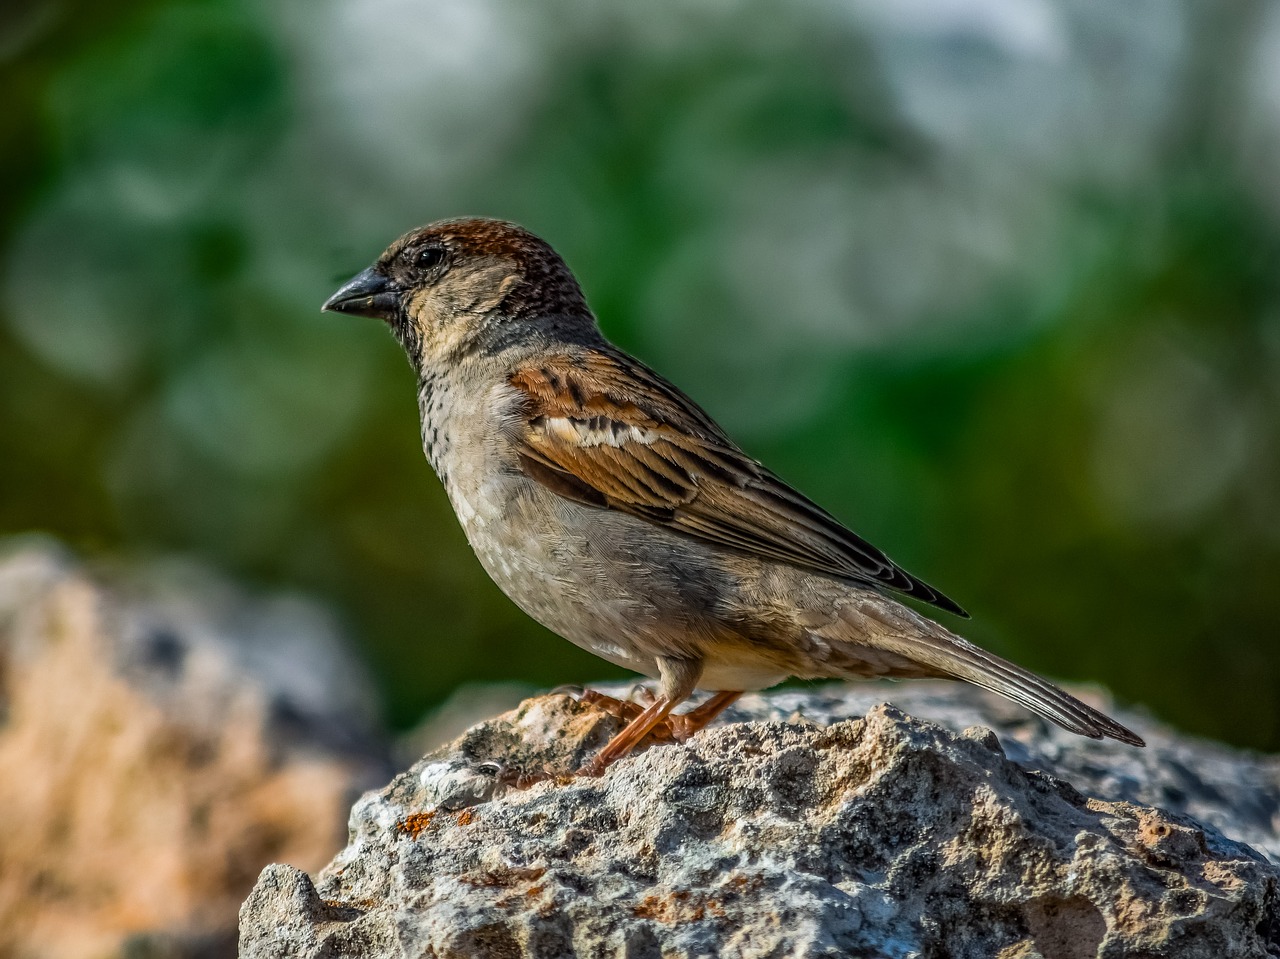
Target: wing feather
600 429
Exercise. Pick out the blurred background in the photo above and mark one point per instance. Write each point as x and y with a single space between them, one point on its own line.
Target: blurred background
996 281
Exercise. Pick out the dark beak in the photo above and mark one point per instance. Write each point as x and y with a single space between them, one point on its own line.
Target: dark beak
366 294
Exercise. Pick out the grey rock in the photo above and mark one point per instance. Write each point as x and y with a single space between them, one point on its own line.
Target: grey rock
792 830
1232 790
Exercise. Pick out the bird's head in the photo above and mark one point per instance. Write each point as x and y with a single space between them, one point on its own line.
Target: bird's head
459 285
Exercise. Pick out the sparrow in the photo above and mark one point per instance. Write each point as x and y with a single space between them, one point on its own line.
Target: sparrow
616 512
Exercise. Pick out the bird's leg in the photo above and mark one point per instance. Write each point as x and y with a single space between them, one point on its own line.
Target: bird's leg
624 709
629 708
684 725
678 679
629 738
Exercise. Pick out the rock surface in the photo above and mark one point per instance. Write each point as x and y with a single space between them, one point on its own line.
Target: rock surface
801 833
161 739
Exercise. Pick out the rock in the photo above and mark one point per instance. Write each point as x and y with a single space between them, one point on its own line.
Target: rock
163 737
799 833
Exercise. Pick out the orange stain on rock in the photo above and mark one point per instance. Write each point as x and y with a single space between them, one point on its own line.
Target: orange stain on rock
413 824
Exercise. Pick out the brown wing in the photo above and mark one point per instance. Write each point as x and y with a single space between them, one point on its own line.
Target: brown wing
605 431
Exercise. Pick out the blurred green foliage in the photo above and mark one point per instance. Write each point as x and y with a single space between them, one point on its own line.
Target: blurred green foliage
997 284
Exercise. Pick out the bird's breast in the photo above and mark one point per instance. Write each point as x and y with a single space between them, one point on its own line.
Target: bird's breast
625 589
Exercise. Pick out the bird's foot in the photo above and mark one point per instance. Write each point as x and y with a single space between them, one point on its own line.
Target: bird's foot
628 709
640 693
620 708
649 722
592 769
672 728
682 726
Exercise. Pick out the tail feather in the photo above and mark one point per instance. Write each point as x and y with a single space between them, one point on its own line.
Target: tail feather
955 658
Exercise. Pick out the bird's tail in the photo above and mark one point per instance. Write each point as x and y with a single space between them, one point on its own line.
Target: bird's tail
943 654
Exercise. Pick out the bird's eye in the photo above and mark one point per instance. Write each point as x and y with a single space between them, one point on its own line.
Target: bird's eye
428 257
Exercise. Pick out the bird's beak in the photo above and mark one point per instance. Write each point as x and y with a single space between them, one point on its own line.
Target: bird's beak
366 294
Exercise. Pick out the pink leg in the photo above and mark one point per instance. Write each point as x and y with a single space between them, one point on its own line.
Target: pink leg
677 680
630 737
621 708
684 725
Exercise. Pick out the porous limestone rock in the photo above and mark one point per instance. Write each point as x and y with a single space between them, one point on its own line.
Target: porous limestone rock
800 833
161 739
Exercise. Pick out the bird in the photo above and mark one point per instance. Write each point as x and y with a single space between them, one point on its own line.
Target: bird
611 508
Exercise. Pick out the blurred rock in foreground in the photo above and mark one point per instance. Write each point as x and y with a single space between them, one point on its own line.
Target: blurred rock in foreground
162 739
802 833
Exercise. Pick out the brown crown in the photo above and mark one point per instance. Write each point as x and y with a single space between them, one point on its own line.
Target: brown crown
548 286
